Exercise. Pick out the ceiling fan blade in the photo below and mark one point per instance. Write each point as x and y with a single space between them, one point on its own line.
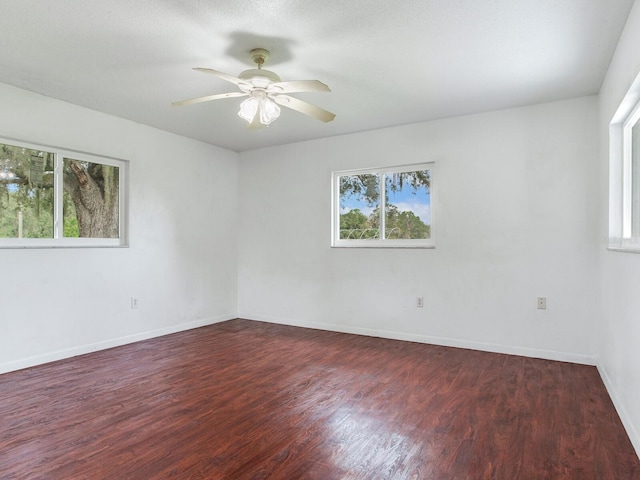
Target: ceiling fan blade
304 107
208 98
299 86
223 76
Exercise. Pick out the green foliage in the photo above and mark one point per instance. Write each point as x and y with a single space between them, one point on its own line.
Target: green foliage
26 193
416 180
404 225
353 219
70 225
71 229
36 223
361 186
355 225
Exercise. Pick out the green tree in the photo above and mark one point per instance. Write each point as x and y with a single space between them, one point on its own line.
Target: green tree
404 225
355 225
353 219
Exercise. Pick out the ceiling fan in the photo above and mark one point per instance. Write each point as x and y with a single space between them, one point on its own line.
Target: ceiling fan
266 92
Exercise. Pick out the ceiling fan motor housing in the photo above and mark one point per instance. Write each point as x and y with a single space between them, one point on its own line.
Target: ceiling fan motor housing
259 77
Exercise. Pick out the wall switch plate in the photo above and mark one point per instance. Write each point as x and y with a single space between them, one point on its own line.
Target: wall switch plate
134 302
542 303
419 302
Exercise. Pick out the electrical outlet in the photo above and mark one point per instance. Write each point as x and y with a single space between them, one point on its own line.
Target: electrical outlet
134 302
419 302
542 303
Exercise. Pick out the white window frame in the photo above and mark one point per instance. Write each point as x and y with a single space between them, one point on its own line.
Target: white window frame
58 240
627 188
620 236
336 241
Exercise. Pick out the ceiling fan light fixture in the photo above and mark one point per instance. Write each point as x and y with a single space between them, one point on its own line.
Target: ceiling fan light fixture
261 105
266 92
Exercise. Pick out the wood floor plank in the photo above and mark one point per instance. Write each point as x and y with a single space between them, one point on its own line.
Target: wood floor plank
251 400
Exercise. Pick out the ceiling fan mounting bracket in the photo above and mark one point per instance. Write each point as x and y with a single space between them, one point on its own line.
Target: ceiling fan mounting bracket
259 56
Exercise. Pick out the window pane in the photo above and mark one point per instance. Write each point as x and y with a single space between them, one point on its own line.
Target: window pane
408 205
91 200
635 180
359 207
26 193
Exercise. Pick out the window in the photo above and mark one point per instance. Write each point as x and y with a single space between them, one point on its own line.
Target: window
406 219
631 155
624 171
55 198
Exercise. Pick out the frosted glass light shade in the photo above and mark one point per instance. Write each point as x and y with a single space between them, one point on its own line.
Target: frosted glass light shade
269 111
248 109
266 108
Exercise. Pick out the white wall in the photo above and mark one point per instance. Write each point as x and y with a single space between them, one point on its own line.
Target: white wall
182 259
619 330
517 219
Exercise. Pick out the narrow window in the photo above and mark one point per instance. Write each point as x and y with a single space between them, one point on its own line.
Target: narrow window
634 161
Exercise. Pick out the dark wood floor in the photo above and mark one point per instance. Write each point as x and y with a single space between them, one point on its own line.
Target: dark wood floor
249 400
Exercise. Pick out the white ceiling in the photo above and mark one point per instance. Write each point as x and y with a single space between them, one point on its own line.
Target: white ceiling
387 63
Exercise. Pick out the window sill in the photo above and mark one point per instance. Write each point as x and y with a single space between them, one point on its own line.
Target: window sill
627 245
623 249
366 244
66 243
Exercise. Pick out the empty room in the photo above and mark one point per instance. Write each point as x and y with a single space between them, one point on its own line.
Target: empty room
320 240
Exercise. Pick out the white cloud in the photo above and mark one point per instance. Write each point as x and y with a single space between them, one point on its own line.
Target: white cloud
422 210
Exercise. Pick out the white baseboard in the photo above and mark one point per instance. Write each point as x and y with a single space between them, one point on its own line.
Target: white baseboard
114 342
443 341
622 412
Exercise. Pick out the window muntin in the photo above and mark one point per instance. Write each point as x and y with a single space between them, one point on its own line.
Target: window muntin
406 193
56 198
